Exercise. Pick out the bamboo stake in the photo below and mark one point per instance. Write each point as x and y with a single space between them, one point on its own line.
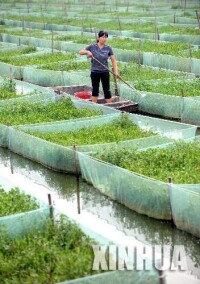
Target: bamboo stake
116 87
23 23
127 8
76 163
139 52
198 19
185 6
169 185
28 6
162 275
155 23
29 30
82 27
190 49
78 196
119 77
52 41
50 207
10 74
120 27
10 155
158 35
182 92
96 36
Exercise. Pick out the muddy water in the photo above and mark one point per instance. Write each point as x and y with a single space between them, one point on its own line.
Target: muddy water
85 201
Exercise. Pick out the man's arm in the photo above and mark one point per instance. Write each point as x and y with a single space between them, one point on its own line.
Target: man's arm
114 64
86 52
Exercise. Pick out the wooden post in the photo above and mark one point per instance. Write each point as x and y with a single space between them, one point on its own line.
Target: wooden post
27 4
198 20
120 27
127 7
139 52
82 30
162 276
11 162
155 23
116 87
96 36
76 163
155 28
169 184
52 41
190 49
78 197
10 154
50 207
23 23
21 76
158 35
30 30
182 92
10 74
185 6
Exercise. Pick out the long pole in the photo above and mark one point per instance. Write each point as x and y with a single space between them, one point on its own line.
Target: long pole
115 75
116 87
50 207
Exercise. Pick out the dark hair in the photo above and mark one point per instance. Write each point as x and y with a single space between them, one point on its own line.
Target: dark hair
102 33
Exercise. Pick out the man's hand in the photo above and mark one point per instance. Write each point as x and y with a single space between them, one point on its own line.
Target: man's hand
117 75
89 54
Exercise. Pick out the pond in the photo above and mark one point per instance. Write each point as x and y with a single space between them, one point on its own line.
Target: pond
98 213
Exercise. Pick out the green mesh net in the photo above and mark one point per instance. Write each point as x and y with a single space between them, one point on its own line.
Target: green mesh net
3 135
11 71
195 66
39 94
25 89
186 211
143 195
17 225
167 61
28 93
190 112
184 38
160 104
7 47
62 158
141 143
51 155
184 108
45 96
23 223
54 78
118 277
127 56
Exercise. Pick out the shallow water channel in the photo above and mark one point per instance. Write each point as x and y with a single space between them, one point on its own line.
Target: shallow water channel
98 213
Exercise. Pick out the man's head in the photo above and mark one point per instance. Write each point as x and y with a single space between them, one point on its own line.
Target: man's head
102 34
